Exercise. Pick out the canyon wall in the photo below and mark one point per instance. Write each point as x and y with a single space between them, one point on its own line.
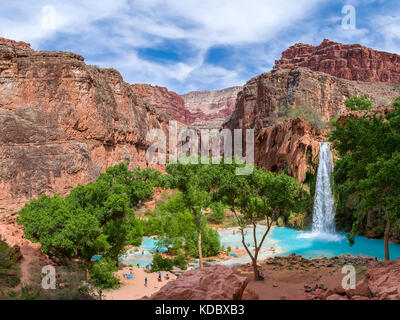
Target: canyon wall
200 109
63 122
293 143
163 99
213 104
347 61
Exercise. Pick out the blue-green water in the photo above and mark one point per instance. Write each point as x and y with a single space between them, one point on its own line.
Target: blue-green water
303 243
282 241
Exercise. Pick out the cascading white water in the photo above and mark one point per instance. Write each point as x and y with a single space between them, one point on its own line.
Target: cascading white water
323 212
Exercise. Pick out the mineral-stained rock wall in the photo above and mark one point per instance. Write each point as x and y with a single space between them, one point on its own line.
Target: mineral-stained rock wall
352 62
292 145
63 122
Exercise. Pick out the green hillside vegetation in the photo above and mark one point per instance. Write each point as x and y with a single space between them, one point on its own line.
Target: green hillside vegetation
367 175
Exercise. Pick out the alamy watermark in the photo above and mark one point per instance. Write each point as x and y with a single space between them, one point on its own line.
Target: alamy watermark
349 20
49 277
349 281
49 17
212 145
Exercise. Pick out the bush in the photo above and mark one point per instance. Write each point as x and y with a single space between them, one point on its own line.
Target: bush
305 111
102 274
217 212
161 264
9 271
166 264
180 261
358 103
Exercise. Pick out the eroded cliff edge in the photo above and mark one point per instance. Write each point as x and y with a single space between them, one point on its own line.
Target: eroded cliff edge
64 122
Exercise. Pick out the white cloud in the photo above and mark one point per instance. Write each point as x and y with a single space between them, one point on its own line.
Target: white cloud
113 32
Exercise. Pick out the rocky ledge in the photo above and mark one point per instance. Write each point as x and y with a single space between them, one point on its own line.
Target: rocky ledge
211 283
347 61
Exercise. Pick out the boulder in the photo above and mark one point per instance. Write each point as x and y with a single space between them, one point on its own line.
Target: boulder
210 283
362 289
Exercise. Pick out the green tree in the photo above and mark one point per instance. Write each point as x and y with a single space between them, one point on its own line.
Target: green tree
261 196
96 218
367 147
195 181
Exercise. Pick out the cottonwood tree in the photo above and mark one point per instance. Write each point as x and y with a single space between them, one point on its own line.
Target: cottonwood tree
195 181
261 196
368 171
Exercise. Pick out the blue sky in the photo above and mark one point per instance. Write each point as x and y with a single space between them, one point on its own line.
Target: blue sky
194 45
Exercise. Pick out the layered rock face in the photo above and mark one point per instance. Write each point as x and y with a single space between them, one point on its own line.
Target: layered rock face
163 99
293 144
352 62
63 122
262 96
209 105
210 283
200 109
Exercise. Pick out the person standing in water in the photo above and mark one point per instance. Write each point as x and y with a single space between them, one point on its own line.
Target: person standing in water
145 282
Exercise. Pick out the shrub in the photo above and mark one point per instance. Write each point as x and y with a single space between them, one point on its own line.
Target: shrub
358 103
166 264
161 264
305 111
102 274
9 271
218 212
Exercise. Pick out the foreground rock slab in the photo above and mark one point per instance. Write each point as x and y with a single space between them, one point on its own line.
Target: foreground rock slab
211 283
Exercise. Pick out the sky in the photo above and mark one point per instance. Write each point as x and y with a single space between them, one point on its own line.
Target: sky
188 45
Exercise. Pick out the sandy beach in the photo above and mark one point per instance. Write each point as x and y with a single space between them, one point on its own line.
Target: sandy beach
133 289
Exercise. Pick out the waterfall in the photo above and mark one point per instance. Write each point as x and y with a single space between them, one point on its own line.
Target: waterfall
323 212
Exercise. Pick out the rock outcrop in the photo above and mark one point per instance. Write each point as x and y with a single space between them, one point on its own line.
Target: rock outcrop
381 282
347 61
200 109
163 99
63 122
13 234
211 283
293 144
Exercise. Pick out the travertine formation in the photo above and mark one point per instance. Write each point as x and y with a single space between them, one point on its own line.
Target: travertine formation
63 122
347 61
292 145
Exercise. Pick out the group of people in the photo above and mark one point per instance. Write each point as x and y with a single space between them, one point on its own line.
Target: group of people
234 232
159 278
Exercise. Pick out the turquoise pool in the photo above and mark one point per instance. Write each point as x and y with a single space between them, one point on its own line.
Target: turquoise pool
281 241
303 243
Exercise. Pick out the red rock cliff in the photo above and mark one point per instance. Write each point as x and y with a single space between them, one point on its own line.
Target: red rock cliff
163 99
209 105
198 107
293 144
352 62
63 122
